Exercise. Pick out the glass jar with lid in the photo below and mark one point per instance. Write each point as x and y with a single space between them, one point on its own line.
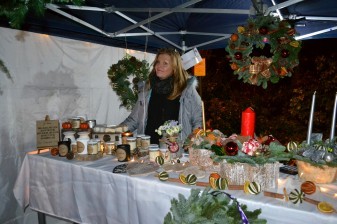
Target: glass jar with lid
110 147
145 142
153 152
92 147
132 142
139 140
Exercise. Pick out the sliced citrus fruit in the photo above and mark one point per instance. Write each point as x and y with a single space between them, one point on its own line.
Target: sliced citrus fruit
325 207
246 187
182 178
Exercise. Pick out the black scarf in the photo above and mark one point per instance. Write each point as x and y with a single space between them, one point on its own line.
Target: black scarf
164 86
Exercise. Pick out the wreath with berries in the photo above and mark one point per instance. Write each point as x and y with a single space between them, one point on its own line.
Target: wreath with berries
120 74
249 55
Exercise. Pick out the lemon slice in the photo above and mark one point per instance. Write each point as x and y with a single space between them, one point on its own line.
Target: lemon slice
246 187
325 207
182 178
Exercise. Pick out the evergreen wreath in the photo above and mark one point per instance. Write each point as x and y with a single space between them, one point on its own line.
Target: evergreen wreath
248 45
213 207
119 75
16 11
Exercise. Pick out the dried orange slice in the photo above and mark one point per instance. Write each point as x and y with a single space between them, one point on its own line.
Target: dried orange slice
246 187
182 178
325 207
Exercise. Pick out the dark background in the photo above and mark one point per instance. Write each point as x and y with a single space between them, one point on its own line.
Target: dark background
282 109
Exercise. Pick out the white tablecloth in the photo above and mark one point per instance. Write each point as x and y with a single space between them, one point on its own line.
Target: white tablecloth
88 192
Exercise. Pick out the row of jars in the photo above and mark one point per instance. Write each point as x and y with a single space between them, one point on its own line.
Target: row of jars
124 150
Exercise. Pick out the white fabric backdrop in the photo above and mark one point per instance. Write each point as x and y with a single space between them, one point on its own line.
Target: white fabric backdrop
50 75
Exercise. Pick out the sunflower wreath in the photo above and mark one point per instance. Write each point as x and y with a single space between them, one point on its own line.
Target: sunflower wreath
247 50
120 74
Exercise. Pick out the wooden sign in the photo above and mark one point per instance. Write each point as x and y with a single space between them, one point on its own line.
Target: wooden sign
200 68
47 133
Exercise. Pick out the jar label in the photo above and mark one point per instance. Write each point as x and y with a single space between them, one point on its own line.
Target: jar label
75 123
90 149
74 148
121 154
80 147
63 150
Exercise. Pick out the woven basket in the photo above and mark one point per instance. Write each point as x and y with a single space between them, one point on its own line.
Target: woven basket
324 175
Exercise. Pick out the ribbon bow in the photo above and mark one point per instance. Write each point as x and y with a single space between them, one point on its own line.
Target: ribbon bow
260 65
244 218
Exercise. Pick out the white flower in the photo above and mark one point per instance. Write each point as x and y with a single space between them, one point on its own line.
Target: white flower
171 127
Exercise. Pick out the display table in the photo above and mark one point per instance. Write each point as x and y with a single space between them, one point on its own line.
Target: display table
88 192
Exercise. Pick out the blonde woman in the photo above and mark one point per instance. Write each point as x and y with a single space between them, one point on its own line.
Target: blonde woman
169 94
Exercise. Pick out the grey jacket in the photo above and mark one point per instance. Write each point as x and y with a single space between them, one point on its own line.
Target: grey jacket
190 111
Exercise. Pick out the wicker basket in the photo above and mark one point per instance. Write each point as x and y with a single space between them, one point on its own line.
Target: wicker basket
319 175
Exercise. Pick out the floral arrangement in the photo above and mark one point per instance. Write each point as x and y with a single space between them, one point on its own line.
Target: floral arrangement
170 127
246 46
237 148
119 75
200 139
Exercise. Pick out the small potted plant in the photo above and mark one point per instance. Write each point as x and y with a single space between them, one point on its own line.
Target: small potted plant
169 132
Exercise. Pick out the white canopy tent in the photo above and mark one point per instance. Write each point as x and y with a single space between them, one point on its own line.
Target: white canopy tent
51 76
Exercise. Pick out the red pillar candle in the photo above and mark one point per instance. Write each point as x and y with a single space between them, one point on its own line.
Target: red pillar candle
248 122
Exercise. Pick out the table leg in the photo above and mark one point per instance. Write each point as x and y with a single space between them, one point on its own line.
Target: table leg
41 218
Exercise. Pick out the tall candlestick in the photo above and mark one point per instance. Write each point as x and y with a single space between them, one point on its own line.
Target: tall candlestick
311 118
203 117
333 123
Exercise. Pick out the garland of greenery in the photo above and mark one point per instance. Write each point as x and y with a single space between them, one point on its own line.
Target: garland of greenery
119 75
208 208
245 46
276 154
16 11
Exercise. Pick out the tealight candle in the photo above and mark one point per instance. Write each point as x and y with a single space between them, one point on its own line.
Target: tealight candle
125 136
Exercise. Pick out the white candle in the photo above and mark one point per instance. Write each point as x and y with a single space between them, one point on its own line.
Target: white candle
333 123
203 117
311 118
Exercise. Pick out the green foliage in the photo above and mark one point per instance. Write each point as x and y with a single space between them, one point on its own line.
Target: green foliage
250 42
16 10
277 154
120 74
205 208
281 110
329 147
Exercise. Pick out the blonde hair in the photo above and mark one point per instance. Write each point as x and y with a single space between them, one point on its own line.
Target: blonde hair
179 75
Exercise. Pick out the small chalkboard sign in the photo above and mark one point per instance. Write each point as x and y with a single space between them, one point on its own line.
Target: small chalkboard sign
47 133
